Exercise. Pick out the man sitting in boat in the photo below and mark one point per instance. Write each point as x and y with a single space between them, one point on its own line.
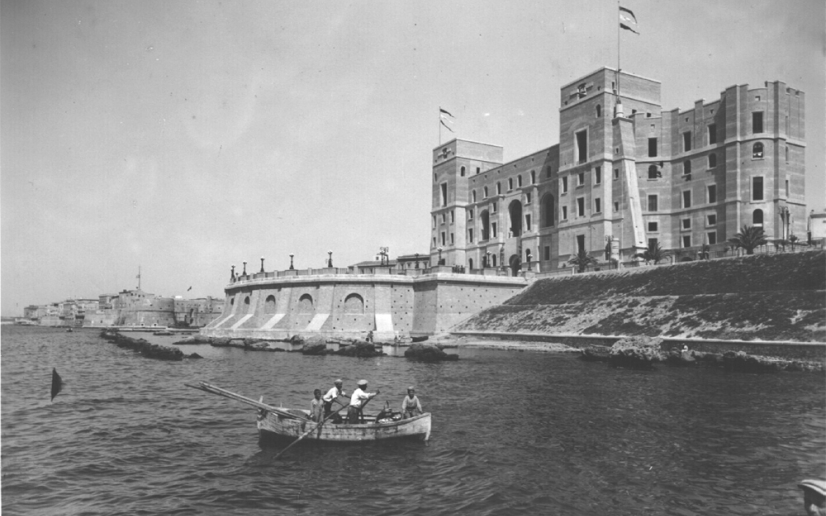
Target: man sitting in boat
357 401
411 406
331 396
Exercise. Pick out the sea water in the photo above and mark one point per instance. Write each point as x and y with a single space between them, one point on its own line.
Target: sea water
513 433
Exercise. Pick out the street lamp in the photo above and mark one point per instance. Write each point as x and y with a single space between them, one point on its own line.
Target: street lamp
330 259
232 274
417 260
291 261
262 265
245 268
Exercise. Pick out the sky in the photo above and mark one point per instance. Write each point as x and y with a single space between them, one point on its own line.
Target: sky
184 137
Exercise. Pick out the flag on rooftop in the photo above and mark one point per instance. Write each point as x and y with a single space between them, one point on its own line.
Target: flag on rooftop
446 126
627 20
443 112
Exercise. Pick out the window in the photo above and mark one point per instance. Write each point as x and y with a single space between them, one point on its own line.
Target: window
711 219
686 167
470 214
498 188
757 150
685 224
757 122
443 218
582 146
548 171
510 184
616 174
599 111
616 206
757 218
711 236
653 227
493 260
787 187
686 240
469 264
652 147
580 179
712 160
473 196
597 205
443 189
434 221
564 184
485 193
519 181
787 154
711 190
528 198
687 199
527 222
443 238
653 172
652 242
564 213
533 177
451 239
547 252
462 172
493 229
598 175
712 134
652 202
548 210
757 188
452 216
478 169
686 141
580 206
494 207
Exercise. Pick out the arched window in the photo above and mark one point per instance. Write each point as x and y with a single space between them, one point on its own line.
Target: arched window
757 150
533 172
653 173
353 304
519 181
473 196
462 172
498 188
712 160
269 305
599 111
757 218
485 191
510 184
687 166
305 304
548 210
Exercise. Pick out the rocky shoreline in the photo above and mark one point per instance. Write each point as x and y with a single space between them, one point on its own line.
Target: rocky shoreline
146 348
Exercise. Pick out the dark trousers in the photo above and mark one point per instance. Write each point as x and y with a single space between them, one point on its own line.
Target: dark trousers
353 415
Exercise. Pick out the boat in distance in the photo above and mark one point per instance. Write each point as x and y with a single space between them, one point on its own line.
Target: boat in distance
296 424
272 424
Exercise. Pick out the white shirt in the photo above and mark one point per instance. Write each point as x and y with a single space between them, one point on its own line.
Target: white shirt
358 396
332 394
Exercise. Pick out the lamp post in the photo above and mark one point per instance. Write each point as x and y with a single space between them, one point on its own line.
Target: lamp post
330 259
232 274
245 268
262 265
417 260
291 261
487 259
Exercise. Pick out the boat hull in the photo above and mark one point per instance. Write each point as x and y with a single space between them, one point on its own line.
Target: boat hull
274 425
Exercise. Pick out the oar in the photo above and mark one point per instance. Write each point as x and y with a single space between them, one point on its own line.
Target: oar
361 409
308 432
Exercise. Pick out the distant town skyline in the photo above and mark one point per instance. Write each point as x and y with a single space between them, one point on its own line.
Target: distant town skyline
186 137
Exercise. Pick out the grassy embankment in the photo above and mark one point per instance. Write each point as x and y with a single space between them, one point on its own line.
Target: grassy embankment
764 297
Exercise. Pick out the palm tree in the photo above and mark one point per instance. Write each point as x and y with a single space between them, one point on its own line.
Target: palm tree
748 238
582 260
654 253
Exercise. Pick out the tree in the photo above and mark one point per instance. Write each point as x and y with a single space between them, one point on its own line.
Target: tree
793 240
749 238
582 260
654 253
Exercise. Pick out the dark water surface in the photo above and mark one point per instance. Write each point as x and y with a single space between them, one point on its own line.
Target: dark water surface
513 433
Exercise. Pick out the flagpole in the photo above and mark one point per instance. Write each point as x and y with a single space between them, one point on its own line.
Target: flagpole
619 49
440 126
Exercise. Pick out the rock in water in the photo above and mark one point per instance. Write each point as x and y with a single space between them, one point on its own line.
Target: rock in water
595 354
427 353
636 352
314 349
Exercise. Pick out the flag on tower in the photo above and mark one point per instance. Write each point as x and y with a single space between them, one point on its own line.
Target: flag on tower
443 118
443 112
627 19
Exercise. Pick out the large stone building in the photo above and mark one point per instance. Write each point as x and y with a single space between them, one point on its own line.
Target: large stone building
624 175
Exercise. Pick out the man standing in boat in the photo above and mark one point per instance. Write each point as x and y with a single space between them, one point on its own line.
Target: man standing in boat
331 396
357 401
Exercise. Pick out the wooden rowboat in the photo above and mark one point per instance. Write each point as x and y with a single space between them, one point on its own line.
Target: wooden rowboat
276 425
295 423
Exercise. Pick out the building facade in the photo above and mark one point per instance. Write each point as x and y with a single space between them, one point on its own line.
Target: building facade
624 175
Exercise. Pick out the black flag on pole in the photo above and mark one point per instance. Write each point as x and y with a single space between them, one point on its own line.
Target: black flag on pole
57 383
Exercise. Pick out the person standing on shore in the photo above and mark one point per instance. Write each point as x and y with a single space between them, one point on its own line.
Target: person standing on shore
411 406
331 396
357 400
